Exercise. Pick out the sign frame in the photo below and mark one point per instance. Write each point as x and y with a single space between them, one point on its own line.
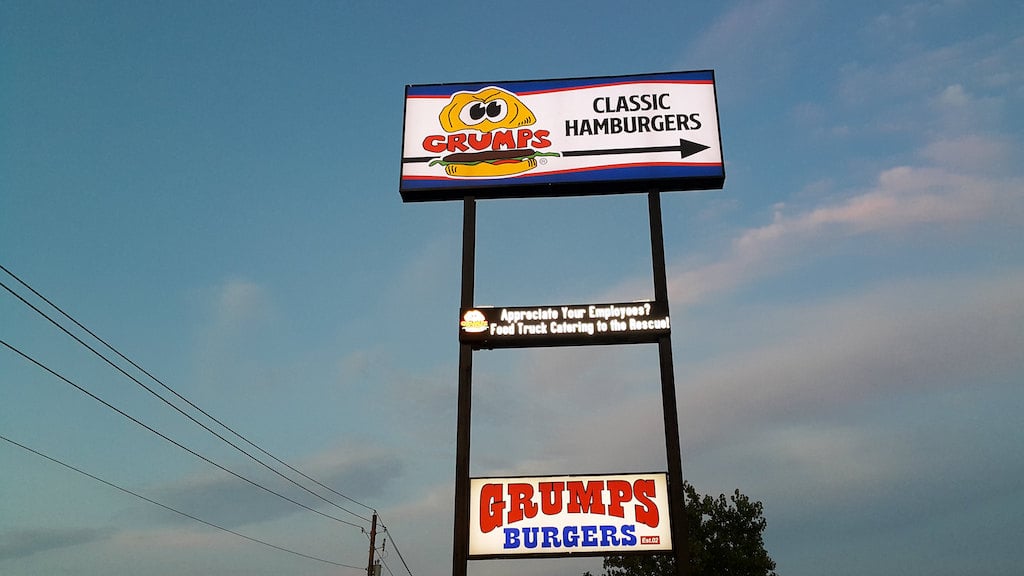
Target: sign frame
595 136
570 533
493 327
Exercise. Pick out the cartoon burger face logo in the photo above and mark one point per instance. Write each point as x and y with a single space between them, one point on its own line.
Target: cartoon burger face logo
485 110
487 137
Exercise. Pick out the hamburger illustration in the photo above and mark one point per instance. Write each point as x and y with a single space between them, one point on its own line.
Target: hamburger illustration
491 162
491 112
474 321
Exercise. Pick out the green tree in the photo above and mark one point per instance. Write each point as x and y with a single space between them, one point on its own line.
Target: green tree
725 537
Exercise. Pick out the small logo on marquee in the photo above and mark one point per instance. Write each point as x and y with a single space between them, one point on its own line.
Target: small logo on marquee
650 540
473 321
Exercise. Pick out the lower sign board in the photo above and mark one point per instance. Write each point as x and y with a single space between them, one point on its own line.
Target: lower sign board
568 137
569 515
572 325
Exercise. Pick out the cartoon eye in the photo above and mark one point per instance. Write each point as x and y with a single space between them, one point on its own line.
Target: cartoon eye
496 110
477 112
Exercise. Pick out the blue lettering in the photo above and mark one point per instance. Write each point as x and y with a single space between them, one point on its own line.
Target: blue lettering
550 537
533 537
608 536
511 538
571 536
530 537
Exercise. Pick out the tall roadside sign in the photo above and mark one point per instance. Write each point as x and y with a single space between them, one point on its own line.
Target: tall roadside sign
647 133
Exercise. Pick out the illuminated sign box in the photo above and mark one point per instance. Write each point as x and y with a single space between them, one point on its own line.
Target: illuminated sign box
569 137
570 325
569 515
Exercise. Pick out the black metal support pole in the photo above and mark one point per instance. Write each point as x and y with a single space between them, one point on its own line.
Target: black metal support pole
676 498
460 548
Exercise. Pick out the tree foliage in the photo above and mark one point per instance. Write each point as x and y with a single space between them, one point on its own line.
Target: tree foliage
725 536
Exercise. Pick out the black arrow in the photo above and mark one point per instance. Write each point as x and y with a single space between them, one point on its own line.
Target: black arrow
685 149
414 159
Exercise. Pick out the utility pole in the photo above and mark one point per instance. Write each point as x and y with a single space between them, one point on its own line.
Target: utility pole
373 542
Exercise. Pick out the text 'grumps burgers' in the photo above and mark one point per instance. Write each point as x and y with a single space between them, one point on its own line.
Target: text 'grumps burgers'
494 119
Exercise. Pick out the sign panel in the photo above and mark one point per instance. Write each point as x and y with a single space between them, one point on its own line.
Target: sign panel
572 325
570 137
569 515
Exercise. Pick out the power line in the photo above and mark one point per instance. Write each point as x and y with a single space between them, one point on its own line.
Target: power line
169 403
175 392
194 406
176 511
171 440
381 556
384 556
395 546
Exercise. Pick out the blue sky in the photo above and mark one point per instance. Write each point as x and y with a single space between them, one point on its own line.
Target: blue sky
213 188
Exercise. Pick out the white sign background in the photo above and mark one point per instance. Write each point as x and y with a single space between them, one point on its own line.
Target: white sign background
553 109
565 113
493 542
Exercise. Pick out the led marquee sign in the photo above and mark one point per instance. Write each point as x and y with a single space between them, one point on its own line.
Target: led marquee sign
573 325
569 515
570 137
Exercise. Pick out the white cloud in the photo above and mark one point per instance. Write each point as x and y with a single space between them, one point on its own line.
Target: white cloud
238 317
971 153
746 28
954 96
27 542
824 357
188 540
239 302
422 529
911 86
903 198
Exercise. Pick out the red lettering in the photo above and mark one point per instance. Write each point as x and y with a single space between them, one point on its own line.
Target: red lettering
503 139
620 492
523 137
501 504
457 142
492 504
480 141
646 511
520 502
434 144
585 499
551 497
